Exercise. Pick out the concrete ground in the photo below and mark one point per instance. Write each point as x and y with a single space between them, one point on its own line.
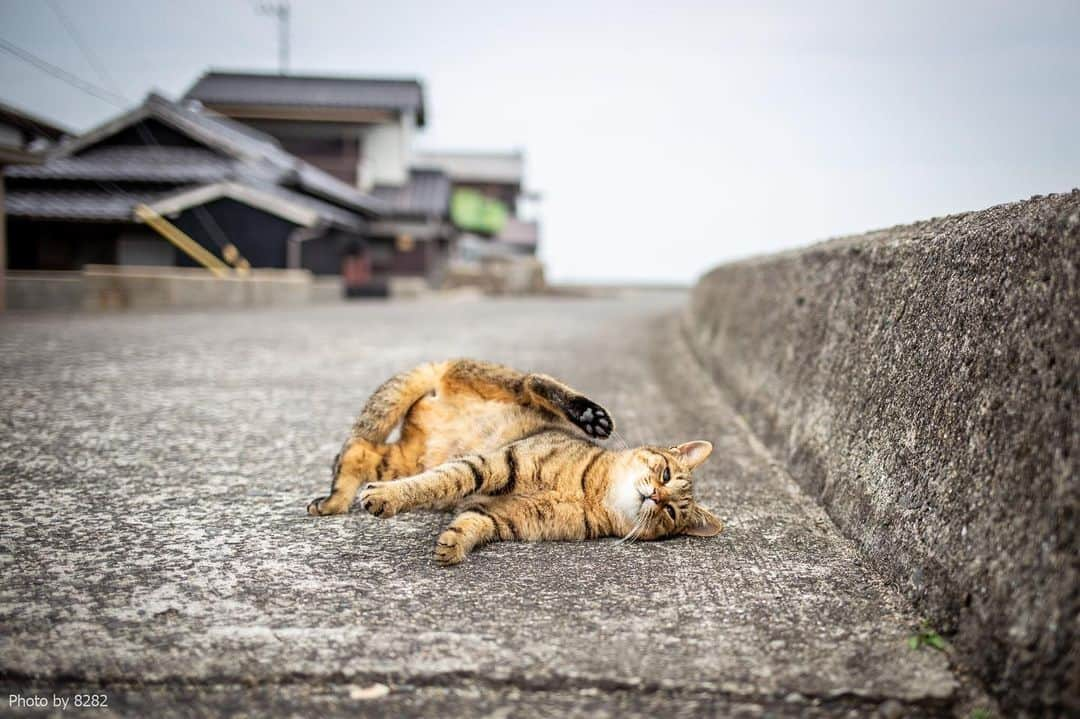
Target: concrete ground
155 548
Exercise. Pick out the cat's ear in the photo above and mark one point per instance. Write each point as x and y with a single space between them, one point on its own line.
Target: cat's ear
693 453
703 523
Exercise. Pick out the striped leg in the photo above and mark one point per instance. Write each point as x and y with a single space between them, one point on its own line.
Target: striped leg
590 417
359 462
526 518
447 483
496 382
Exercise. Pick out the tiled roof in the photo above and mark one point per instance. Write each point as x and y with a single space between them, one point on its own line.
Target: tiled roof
427 194
139 164
495 167
250 153
235 88
234 156
93 205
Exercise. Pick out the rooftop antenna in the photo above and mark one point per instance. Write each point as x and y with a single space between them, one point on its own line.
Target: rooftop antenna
279 9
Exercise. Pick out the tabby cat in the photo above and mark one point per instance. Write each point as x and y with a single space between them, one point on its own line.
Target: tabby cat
515 456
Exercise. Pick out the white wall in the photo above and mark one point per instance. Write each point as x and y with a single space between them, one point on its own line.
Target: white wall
144 250
386 152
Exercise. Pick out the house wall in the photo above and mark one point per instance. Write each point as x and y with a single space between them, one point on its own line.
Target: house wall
60 246
322 255
144 249
386 152
338 155
262 238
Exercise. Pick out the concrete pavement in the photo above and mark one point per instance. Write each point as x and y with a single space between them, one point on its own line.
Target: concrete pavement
155 547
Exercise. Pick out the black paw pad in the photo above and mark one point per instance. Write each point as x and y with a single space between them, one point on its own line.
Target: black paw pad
590 417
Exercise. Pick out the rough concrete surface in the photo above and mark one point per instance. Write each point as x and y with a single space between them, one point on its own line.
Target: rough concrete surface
155 546
921 383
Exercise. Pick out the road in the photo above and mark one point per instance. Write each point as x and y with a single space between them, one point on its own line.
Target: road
155 548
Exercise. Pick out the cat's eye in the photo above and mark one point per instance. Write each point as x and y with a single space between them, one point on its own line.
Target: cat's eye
667 475
671 511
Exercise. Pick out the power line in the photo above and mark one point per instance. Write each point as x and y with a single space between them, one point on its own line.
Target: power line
61 74
84 47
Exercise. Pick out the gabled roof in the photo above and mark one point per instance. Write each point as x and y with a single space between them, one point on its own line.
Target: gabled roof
31 124
296 208
489 167
240 89
254 155
426 194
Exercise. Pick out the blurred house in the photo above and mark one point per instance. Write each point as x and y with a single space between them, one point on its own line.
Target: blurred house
486 202
360 130
497 243
279 171
24 139
217 180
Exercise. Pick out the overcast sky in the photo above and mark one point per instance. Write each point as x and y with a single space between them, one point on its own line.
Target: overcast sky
664 139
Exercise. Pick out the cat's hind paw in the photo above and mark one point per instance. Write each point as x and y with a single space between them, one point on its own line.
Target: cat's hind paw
378 499
449 548
325 506
593 419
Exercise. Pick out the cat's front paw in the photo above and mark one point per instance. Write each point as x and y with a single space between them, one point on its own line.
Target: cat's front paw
379 499
593 419
449 548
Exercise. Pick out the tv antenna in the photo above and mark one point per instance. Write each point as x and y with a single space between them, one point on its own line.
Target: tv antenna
280 10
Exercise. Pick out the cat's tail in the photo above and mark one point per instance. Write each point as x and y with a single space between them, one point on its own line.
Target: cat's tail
393 399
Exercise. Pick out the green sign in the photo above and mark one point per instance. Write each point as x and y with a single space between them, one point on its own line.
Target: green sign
472 211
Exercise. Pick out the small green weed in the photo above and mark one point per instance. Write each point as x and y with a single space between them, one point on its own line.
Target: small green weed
929 638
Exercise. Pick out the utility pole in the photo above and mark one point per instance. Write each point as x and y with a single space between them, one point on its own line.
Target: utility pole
280 10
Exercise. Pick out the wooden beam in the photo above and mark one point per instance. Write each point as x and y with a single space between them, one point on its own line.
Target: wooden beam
188 246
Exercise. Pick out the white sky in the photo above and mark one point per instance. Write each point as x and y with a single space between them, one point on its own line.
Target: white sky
665 137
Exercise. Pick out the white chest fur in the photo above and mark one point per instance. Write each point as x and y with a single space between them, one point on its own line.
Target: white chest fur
624 497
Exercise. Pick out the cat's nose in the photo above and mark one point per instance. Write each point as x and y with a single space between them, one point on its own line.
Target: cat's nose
655 496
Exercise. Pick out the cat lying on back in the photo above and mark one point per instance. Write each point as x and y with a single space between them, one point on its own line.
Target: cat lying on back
513 455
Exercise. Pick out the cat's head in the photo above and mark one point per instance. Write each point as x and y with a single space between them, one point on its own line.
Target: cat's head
654 492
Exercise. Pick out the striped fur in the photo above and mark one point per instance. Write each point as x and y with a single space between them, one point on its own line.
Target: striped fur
515 456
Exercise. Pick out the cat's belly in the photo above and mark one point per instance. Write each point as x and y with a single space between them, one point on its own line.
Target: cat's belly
458 426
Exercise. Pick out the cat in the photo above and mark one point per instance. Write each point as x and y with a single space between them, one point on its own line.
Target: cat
516 456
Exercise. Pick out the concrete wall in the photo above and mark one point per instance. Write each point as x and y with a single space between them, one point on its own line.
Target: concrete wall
922 383
108 287
33 290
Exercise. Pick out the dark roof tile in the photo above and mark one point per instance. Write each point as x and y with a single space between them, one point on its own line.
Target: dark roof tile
138 164
427 194
93 205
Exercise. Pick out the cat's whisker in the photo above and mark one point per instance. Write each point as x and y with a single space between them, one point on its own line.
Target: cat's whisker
635 531
619 439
